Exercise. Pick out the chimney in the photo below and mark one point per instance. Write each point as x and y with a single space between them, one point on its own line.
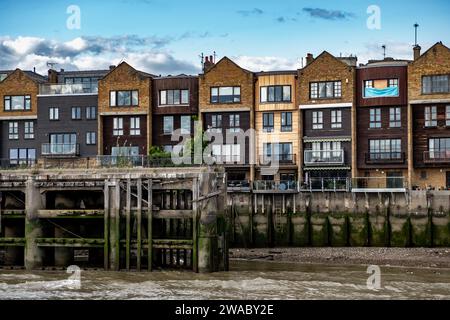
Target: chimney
111 67
52 76
309 58
416 49
62 70
208 63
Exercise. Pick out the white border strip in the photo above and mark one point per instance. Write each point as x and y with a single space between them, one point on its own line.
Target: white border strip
325 106
429 101
18 118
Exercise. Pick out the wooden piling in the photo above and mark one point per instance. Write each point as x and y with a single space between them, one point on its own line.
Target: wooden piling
139 223
127 225
150 224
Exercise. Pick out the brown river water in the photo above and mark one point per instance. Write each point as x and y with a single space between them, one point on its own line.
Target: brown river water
245 280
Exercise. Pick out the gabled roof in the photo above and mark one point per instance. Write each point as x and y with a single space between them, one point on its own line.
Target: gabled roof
347 61
437 44
36 77
140 73
225 58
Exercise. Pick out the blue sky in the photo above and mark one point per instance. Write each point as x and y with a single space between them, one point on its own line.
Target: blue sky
167 36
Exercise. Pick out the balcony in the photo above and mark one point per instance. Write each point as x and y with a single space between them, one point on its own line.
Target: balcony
379 184
270 186
66 89
60 150
239 186
327 184
437 156
282 159
385 157
324 157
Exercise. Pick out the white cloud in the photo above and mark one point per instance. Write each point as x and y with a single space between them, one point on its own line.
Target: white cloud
22 45
256 64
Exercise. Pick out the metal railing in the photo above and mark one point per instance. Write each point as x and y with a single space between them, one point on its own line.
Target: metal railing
327 184
385 157
379 183
66 89
270 185
282 158
60 149
7 164
324 157
239 185
435 156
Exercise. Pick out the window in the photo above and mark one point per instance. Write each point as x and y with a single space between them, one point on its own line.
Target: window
124 98
135 126
392 83
76 113
375 118
13 103
317 120
13 131
91 113
118 127
439 148
185 124
91 138
327 151
395 117
447 116
368 84
225 94
53 113
216 122
276 94
29 130
381 88
22 156
336 119
234 123
386 149
61 144
168 125
268 122
431 116
277 151
173 97
325 90
436 84
226 153
89 84
286 121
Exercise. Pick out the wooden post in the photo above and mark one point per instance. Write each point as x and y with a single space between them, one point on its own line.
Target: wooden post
139 223
106 226
150 225
194 256
127 226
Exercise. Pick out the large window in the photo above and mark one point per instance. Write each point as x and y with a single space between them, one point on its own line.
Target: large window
118 127
91 138
173 97
268 123
13 103
216 123
53 113
76 113
276 94
22 156
385 149
336 119
431 116
226 153
91 113
168 124
278 151
326 151
62 144
375 118
317 120
29 130
439 148
286 121
234 123
185 124
225 94
135 126
325 90
13 131
447 116
436 84
395 117
124 98
90 84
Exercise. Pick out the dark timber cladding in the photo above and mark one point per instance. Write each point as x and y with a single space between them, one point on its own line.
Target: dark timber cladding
111 140
173 105
377 73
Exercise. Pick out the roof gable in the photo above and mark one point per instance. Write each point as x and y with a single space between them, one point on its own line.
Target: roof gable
323 55
437 46
131 70
37 79
227 60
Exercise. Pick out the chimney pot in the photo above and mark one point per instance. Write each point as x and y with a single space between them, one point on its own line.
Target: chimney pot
309 58
416 50
211 59
206 59
111 67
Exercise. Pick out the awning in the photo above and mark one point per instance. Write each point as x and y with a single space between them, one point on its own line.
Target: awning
325 168
327 139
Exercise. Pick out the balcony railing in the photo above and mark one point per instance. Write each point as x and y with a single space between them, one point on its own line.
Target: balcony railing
376 184
327 184
436 156
385 157
7 164
239 185
60 149
325 158
280 186
286 159
66 89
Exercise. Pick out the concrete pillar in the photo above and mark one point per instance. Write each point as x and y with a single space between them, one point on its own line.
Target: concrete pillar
34 255
114 226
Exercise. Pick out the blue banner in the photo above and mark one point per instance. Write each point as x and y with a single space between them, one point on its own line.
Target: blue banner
377 93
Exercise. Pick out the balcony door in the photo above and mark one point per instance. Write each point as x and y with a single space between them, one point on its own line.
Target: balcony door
63 143
394 180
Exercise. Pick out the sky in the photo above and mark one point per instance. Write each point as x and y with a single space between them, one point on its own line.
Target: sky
168 36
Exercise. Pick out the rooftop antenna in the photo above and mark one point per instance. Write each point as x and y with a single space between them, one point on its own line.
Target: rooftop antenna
416 26
202 58
384 51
